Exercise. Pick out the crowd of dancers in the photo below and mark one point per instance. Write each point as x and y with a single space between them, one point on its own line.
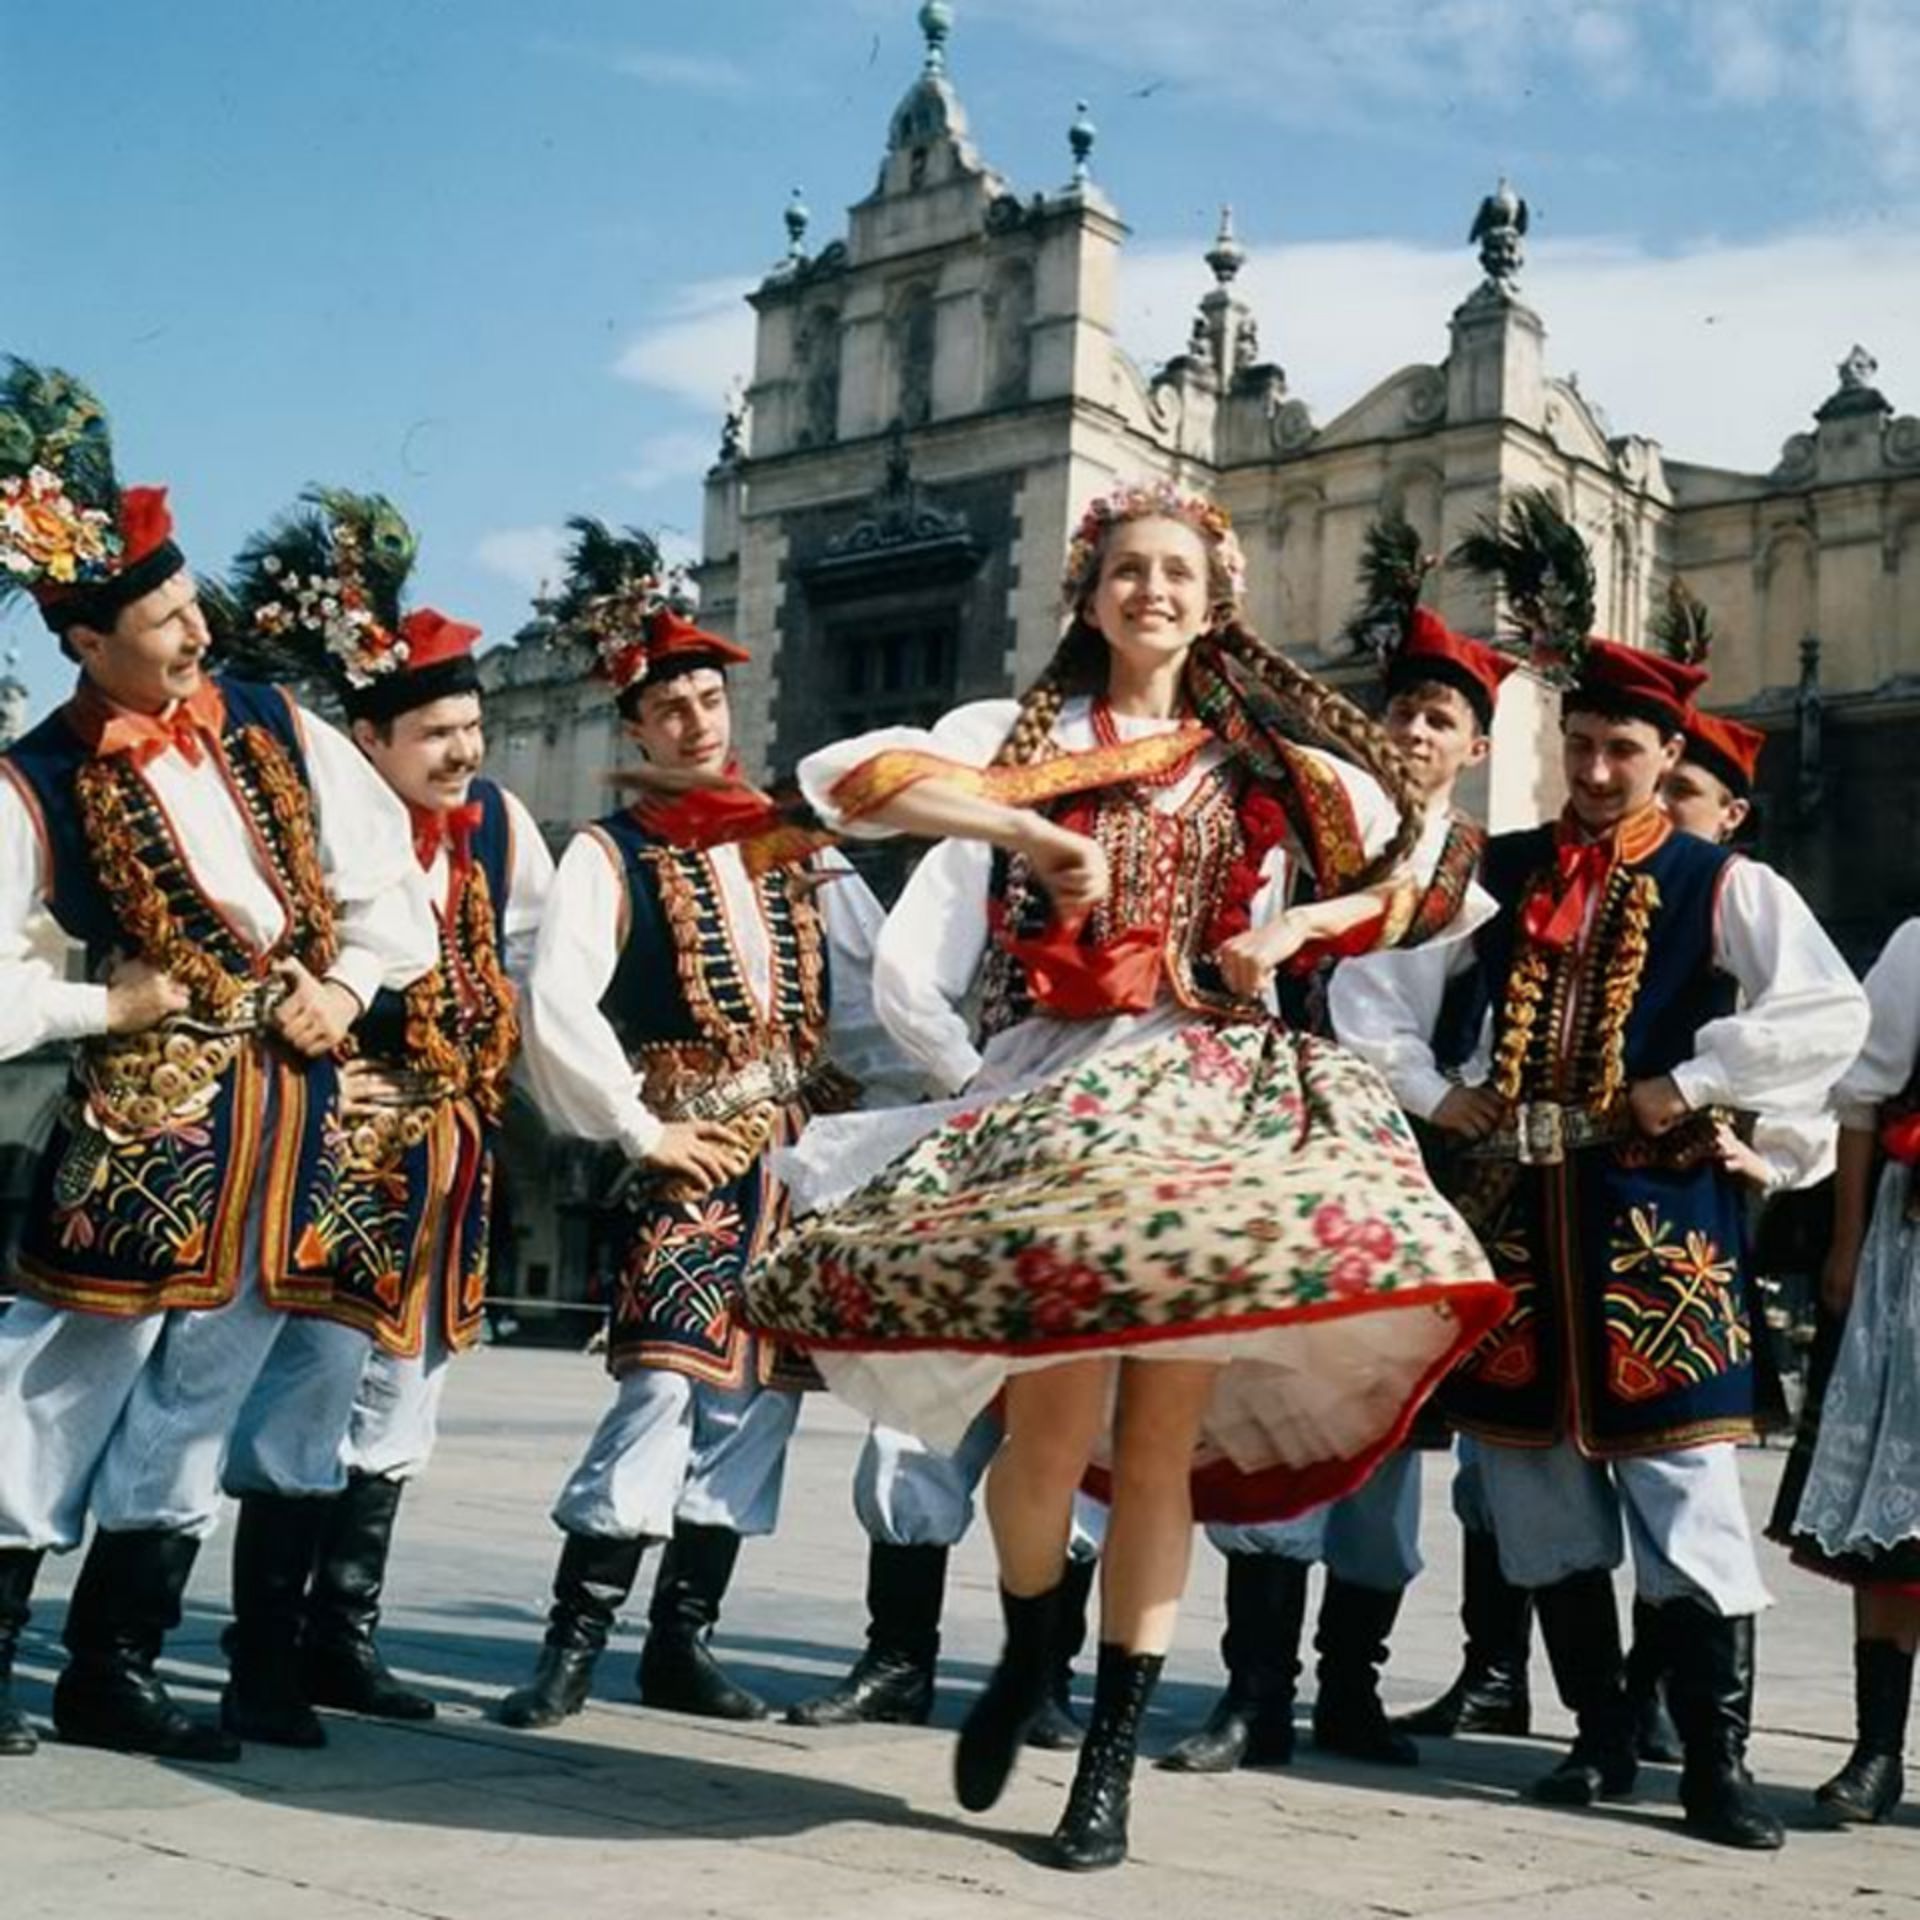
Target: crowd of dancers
1218 1118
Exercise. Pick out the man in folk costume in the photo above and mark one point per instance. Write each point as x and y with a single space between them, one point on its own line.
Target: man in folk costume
680 1007
422 1100
1440 689
1642 984
243 886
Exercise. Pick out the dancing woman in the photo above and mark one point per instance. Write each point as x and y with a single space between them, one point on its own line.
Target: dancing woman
1191 1250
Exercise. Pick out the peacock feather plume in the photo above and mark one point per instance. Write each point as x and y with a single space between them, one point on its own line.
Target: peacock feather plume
1545 575
1682 626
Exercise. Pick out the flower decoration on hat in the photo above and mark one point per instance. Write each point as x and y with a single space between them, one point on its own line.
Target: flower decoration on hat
70 536
628 611
321 588
1544 571
1152 500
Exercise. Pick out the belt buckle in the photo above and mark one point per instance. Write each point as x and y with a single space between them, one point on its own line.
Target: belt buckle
1541 1133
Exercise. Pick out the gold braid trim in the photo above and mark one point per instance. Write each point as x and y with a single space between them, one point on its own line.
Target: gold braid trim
498 1027
1529 981
290 806
140 903
1621 965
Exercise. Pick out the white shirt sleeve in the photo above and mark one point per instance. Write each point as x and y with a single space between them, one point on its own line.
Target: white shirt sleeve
575 1061
1802 1017
1385 1006
970 735
529 882
388 937
37 1004
1798 1149
929 952
857 1039
1886 1059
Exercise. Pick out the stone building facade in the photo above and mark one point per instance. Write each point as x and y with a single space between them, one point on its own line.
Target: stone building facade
937 393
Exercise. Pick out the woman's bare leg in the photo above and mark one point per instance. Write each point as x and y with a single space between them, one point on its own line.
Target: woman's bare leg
1053 1419
1143 1571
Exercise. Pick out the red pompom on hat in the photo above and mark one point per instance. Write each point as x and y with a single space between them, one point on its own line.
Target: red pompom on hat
1728 749
1647 686
1432 651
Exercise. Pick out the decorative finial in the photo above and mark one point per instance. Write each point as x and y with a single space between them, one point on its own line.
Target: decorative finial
936 23
1080 137
1226 256
796 217
1857 371
1498 229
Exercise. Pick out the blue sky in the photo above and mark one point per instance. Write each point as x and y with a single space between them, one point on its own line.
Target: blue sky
489 260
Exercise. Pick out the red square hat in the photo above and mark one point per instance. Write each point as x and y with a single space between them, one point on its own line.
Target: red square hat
1627 680
1728 749
1433 652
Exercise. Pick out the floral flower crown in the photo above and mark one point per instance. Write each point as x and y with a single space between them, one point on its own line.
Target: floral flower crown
1151 500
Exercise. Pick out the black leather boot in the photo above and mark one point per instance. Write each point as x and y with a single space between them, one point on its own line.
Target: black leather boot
892 1681
342 1665
1016 1690
590 1586
1869 1786
1490 1694
274 1545
1356 1624
18 1566
1058 1728
1654 1736
1251 1724
126 1601
1582 1632
677 1671
1093 1831
1710 1688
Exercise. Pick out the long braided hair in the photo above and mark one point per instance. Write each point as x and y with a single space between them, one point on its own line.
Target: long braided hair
1230 666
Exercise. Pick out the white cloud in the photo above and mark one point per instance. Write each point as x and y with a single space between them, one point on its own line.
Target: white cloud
1717 351
684 72
531 557
1857 61
702 342
676 455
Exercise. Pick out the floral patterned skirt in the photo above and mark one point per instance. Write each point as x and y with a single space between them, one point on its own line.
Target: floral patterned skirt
1242 1194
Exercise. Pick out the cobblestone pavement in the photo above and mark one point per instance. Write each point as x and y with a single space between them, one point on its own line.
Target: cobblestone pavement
626 1812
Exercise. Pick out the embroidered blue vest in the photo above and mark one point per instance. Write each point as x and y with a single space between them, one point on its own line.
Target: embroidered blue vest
412 1213
1629 1328
690 1022
168 1141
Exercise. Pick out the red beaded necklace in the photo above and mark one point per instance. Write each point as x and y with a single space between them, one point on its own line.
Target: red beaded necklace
1106 733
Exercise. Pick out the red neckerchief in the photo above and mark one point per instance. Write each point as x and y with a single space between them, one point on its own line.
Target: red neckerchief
451 827
185 726
707 816
1554 915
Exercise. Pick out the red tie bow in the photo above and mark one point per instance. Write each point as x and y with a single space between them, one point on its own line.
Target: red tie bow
186 726
1554 916
452 827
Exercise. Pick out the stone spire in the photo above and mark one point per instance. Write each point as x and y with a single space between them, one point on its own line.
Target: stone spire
930 110
797 217
1498 229
1225 337
936 25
